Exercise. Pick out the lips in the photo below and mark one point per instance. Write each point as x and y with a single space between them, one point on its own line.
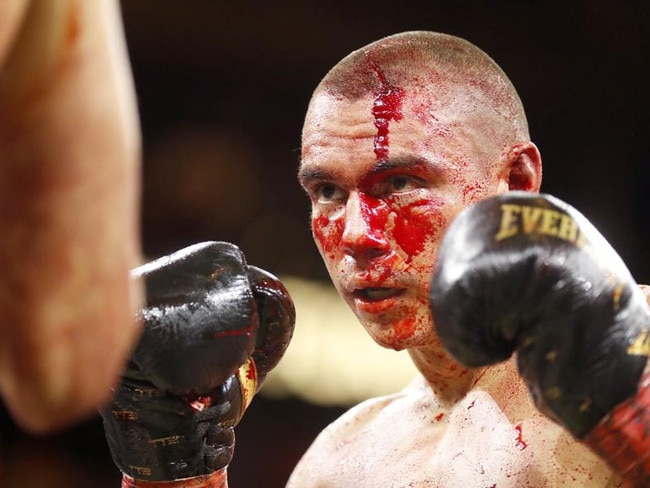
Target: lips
376 294
374 301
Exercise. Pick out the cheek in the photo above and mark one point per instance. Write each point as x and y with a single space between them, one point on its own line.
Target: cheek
412 327
327 234
418 224
475 191
474 184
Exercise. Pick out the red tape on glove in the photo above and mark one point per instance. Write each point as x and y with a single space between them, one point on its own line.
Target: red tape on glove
218 479
623 437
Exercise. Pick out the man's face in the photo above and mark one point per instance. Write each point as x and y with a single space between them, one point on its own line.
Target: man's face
383 188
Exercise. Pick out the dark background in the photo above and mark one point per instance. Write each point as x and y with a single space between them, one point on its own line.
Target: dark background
222 89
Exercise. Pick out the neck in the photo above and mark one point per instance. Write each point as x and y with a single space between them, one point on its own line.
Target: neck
449 380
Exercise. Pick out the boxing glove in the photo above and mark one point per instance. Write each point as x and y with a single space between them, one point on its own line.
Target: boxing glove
277 316
528 274
213 327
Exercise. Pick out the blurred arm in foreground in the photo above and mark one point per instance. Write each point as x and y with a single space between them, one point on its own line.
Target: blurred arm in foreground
69 191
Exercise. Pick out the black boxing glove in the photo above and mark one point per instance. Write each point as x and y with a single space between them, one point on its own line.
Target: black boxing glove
529 274
277 317
193 373
199 320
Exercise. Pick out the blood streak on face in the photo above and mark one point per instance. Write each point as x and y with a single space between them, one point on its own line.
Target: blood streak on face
387 107
412 231
327 233
404 329
375 214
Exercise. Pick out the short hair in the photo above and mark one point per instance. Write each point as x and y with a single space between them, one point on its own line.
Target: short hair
421 58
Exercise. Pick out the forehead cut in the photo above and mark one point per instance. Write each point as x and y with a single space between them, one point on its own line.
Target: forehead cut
432 64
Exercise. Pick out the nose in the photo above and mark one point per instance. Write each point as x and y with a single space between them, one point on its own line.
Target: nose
364 234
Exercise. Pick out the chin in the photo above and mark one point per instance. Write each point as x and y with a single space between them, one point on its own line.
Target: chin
387 343
391 339
399 330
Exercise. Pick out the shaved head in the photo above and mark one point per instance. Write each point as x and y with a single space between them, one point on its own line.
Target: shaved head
443 70
399 137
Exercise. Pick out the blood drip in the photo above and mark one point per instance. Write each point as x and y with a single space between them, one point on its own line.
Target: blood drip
520 439
387 107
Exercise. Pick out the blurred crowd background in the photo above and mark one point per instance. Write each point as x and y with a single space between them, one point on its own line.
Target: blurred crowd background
222 89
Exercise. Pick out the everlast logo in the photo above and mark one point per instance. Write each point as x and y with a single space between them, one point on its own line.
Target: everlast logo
641 345
525 219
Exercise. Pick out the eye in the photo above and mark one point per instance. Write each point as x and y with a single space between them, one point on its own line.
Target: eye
399 183
328 192
402 184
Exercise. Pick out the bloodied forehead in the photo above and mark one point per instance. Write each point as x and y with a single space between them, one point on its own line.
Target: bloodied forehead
399 122
437 67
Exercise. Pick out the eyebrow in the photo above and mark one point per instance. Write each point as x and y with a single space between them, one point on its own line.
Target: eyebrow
305 175
406 163
314 174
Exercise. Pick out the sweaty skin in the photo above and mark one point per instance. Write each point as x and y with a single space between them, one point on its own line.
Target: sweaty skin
491 436
69 193
377 219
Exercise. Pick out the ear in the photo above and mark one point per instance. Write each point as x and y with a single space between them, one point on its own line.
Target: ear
523 168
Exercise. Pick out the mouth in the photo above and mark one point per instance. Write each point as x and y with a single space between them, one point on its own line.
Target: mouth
374 295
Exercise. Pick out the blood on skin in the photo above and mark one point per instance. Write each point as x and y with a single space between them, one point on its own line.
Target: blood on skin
472 192
328 238
424 111
404 329
408 227
375 214
479 376
411 226
411 230
387 107
378 275
521 444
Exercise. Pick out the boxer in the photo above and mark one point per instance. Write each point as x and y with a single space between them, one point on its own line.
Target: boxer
399 137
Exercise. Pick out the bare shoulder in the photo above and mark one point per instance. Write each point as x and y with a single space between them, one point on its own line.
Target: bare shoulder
408 440
345 438
529 447
558 459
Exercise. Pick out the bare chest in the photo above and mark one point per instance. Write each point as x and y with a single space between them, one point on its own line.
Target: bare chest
475 445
